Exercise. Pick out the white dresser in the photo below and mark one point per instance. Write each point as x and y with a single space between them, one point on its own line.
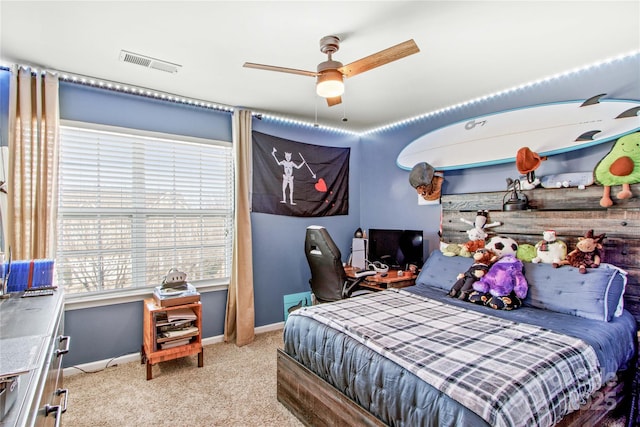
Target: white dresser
32 342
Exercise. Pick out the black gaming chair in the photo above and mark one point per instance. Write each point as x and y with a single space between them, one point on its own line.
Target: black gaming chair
329 282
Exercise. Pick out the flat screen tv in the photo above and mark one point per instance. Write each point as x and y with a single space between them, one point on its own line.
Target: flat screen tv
396 248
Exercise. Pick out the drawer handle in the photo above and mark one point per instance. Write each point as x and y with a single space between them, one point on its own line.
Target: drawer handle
57 409
67 340
64 391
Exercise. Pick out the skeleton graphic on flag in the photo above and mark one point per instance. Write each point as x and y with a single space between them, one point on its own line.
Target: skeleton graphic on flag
283 186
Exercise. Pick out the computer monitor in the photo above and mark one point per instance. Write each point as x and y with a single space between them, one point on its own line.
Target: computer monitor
396 248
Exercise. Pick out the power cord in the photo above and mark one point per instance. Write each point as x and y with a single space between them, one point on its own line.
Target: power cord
108 365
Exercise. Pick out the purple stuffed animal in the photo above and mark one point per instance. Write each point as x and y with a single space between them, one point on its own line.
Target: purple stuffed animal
503 287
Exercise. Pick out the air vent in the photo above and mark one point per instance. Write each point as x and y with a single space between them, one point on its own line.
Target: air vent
148 62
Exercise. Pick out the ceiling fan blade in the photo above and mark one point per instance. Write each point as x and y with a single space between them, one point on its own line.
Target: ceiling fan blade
334 101
385 56
280 69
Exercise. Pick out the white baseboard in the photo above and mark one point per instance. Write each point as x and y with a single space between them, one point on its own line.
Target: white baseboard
269 328
99 365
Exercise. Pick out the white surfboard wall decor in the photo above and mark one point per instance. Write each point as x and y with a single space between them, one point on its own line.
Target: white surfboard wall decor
546 129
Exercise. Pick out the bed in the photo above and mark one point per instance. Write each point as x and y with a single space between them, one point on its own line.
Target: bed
417 357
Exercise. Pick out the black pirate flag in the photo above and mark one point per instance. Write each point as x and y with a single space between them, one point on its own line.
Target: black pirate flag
298 179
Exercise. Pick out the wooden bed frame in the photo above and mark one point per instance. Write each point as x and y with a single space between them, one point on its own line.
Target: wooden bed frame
568 211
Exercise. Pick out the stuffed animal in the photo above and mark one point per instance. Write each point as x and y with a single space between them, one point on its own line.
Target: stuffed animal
454 249
587 254
479 225
466 249
503 287
550 250
502 246
473 245
524 184
426 181
483 258
449 249
526 252
620 167
527 162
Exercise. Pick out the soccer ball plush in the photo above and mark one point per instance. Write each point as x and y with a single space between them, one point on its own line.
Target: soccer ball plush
502 246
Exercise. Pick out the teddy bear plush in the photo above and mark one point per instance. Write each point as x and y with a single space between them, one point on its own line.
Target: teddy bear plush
503 287
587 254
482 258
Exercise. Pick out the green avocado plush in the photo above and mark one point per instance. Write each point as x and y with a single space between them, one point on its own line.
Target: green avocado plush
526 252
621 166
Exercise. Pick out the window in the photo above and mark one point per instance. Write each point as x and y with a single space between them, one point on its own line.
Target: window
134 204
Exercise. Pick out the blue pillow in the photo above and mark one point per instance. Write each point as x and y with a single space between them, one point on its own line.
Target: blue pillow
597 294
440 271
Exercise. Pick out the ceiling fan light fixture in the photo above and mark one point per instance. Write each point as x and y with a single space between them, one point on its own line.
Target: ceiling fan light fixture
330 84
330 74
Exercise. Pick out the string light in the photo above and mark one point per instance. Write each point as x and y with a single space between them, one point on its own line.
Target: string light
517 88
302 123
148 93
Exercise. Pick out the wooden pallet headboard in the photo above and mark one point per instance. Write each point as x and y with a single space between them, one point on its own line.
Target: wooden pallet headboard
568 211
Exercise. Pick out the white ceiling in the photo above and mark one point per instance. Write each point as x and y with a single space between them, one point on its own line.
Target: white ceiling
468 48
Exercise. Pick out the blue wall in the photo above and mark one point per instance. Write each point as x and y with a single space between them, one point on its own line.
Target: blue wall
279 264
89 104
4 105
380 194
388 201
104 332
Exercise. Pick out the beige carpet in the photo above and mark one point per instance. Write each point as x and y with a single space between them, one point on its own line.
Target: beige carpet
235 387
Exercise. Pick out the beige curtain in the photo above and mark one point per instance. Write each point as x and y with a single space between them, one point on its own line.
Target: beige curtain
33 164
240 315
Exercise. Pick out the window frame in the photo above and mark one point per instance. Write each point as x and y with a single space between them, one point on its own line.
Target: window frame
136 293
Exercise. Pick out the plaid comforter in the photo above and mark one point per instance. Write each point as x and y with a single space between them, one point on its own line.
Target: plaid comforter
510 374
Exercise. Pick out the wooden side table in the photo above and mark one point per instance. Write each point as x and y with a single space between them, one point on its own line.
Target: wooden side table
152 341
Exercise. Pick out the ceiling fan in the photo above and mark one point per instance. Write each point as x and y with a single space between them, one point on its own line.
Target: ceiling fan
331 74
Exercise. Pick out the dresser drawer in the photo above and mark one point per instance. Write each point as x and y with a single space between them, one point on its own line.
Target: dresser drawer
53 402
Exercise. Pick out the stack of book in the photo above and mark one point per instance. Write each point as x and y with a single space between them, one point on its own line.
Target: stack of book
168 296
27 274
175 328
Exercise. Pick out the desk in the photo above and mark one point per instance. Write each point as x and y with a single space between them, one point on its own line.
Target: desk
380 281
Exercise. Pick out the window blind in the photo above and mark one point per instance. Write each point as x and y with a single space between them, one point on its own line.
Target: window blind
132 205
